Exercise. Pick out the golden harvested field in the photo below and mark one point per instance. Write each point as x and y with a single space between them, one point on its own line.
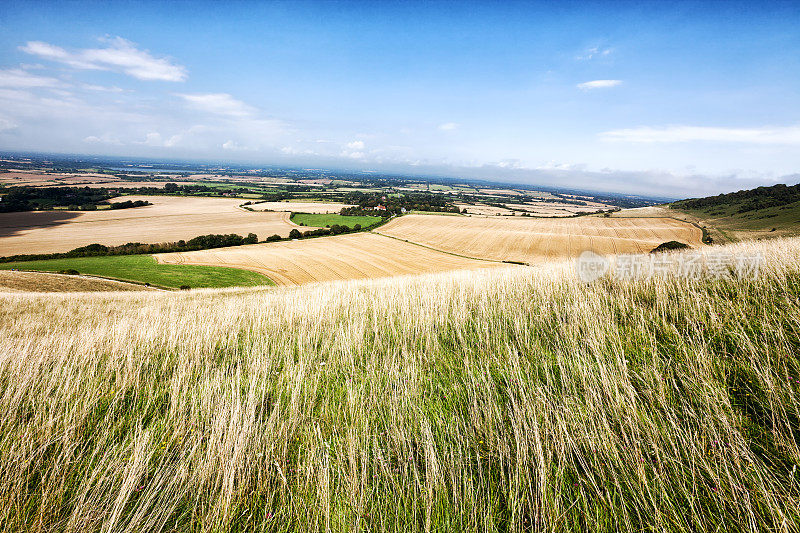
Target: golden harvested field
532 240
300 207
168 219
483 209
344 257
14 281
556 208
124 184
37 178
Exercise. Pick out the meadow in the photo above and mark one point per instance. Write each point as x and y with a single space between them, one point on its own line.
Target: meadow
326 220
499 400
145 269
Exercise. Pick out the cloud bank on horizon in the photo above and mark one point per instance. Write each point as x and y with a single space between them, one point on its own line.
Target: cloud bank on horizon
668 101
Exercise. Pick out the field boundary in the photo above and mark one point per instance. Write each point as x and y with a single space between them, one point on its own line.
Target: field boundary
443 251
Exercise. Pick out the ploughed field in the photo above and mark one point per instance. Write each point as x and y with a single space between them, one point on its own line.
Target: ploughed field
168 219
342 257
534 240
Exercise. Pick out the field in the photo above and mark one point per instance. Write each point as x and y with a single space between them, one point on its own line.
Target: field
43 282
145 269
326 220
343 257
500 400
302 207
125 184
483 209
535 240
168 219
49 179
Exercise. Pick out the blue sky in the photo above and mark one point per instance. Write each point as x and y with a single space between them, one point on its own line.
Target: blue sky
660 98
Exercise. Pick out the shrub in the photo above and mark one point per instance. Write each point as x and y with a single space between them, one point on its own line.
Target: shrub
273 238
69 271
185 287
669 245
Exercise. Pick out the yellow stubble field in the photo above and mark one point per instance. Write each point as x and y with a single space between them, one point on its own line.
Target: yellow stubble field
168 219
300 207
343 257
16 281
533 240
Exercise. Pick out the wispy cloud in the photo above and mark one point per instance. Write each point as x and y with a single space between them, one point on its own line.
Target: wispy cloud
593 53
598 84
219 104
21 79
120 55
682 134
448 126
101 88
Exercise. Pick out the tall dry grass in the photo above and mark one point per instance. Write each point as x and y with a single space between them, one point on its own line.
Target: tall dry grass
509 400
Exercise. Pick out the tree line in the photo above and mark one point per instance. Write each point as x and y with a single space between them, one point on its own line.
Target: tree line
14 199
747 200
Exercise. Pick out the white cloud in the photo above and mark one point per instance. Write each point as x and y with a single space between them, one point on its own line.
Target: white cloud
233 146
353 154
20 79
681 134
291 150
105 139
153 139
356 145
593 52
101 88
448 126
598 84
219 104
120 55
6 124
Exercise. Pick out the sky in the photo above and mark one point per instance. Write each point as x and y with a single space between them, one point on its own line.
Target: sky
670 99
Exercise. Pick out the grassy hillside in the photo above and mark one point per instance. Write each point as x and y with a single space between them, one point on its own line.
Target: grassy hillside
516 399
145 269
756 213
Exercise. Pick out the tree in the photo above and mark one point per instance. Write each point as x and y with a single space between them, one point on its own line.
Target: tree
251 238
295 234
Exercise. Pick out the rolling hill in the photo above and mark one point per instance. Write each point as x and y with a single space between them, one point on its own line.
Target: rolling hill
748 214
